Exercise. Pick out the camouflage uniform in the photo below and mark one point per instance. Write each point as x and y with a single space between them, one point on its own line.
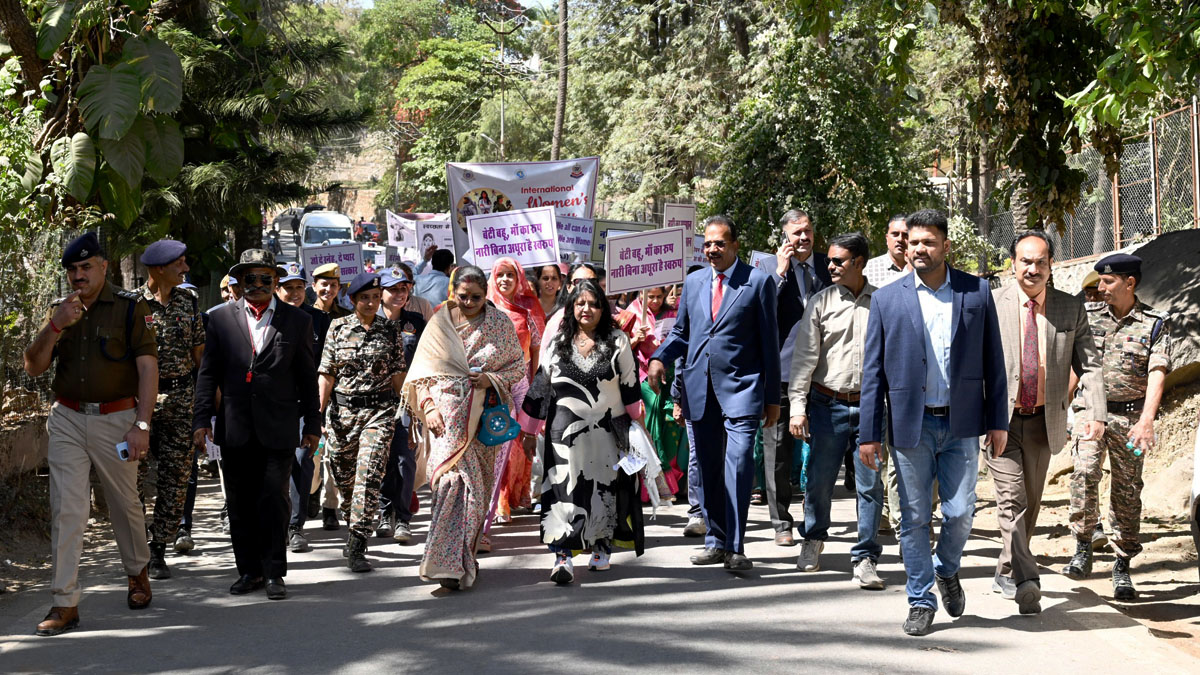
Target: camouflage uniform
1130 348
358 433
179 328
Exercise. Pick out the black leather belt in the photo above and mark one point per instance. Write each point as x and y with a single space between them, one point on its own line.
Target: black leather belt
1030 412
938 411
361 400
1134 406
169 383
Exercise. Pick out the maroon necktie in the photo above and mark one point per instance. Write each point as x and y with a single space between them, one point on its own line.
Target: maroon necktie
718 294
1029 359
258 310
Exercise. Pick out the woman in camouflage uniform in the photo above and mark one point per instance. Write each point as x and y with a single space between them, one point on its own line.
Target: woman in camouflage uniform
361 372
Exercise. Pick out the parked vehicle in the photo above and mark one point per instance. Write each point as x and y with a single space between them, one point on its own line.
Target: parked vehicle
325 227
372 232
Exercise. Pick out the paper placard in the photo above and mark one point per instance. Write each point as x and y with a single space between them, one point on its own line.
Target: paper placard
600 234
401 232
529 236
434 233
574 238
644 260
767 262
347 256
698 251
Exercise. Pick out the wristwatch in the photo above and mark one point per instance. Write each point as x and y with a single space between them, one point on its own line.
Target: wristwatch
144 426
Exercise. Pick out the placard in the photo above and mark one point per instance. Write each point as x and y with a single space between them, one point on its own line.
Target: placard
644 260
574 238
434 233
600 234
347 256
681 215
529 236
767 262
401 231
698 251
568 186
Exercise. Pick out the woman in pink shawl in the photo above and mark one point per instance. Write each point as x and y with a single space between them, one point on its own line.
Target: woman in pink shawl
510 291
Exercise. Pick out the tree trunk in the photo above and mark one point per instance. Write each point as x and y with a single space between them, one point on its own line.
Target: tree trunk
560 107
22 39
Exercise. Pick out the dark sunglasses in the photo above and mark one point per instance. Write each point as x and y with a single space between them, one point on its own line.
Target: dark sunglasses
258 279
838 262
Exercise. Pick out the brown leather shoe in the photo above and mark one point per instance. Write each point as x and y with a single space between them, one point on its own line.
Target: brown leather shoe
139 591
784 539
59 620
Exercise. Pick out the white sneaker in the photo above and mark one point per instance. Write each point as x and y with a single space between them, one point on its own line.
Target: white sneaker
810 554
695 528
866 576
563 571
599 561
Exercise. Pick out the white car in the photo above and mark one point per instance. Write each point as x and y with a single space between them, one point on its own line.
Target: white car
319 228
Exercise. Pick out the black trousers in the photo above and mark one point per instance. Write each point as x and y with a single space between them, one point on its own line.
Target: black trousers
777 465
395 493
256 491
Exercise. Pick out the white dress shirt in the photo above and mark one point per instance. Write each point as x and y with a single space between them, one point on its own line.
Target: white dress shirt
258 327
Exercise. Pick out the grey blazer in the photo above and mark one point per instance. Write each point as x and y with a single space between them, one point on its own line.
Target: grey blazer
1069 345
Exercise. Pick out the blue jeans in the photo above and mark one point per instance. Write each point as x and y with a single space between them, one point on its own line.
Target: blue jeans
954 463
695 508
302 473
833 427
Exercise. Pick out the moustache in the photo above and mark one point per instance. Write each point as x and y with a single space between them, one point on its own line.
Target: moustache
258 289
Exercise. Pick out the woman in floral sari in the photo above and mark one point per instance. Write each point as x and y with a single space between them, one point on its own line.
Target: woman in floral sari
467 349
645 334
510 291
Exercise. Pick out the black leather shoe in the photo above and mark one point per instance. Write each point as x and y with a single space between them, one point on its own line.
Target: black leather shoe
1081 563
710 556
276 590
953 597
329 519
1122 584
736 562
314 506
919 620
246 584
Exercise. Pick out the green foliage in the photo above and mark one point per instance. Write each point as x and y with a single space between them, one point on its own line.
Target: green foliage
109 98
55 26
74 162
160 71
968 248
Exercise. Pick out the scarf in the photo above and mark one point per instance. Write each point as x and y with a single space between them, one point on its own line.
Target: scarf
524 309
258 310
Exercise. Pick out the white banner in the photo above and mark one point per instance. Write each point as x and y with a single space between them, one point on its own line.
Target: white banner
644 260
529 236
401 232
567 186
347 256
764 261
574 238
600 234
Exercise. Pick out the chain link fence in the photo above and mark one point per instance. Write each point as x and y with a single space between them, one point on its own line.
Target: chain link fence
1155 191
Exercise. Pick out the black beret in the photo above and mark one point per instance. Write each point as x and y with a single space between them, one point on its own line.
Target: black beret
81 248
163 252
1119 263
362 282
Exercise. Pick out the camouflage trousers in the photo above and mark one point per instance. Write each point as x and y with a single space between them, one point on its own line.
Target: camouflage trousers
1125 490
172 454
358 441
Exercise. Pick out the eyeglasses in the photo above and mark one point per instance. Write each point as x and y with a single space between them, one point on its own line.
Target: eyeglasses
838 262
258 279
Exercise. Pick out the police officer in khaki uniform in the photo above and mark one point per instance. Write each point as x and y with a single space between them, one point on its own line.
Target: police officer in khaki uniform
179 328
360 377
102 346
1135 347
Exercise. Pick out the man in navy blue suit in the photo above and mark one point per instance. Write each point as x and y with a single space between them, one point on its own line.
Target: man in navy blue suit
933 352
727 328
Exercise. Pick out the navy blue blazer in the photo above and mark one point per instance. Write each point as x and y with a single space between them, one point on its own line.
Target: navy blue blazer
790 307
739 351
894 363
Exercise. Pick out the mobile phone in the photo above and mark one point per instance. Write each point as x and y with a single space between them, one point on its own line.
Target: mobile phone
123 451
476 369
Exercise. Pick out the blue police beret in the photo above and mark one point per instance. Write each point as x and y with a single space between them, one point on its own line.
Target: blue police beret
81 248
163 252
362 282
1119 263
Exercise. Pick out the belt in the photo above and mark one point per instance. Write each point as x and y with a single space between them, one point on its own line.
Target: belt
98 408
848 396
359 400
168 383
938 411
1030 412
1134 406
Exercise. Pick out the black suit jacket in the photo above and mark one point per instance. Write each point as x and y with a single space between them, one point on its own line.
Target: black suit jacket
790 304
282 386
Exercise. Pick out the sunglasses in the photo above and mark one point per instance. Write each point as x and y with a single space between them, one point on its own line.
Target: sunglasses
258 279
838 262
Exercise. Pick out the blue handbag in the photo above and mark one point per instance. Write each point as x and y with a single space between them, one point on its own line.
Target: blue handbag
496 425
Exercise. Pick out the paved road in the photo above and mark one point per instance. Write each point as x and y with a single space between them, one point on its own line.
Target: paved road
652 614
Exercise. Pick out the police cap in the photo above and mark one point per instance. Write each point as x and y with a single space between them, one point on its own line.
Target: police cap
81 248
328 271
394 276
1119 263
362 282
163 252
294 272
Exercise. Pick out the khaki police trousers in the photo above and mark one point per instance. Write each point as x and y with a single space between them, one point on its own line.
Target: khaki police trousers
77 443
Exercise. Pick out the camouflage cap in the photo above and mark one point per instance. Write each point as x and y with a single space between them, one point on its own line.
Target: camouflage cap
256 257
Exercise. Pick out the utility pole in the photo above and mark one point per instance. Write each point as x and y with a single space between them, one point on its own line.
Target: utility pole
503 31
560 107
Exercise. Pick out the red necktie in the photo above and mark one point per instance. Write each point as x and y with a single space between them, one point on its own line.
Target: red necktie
1029 359
718 295
258 310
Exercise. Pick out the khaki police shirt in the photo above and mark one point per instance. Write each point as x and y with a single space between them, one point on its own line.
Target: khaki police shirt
88 354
